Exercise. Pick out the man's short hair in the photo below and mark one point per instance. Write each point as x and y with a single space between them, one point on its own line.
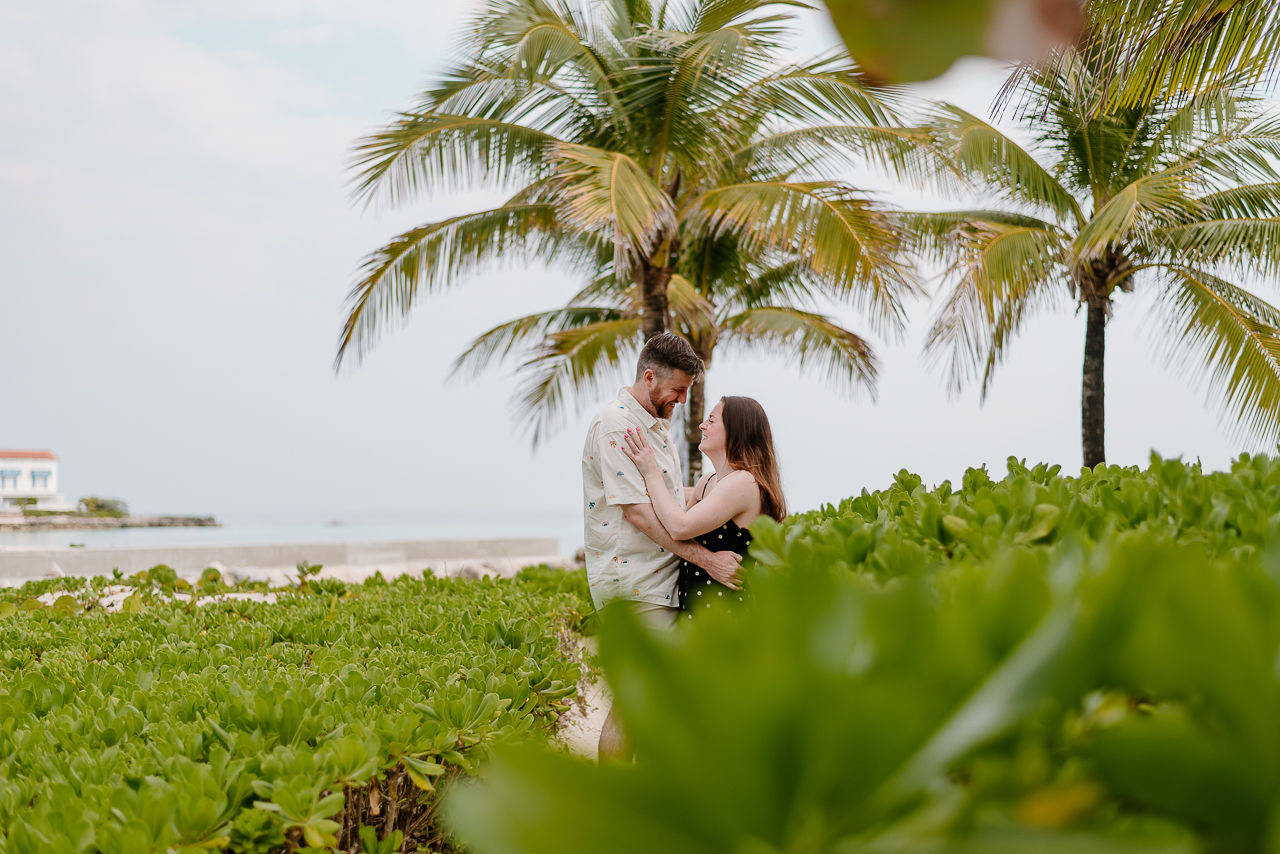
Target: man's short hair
668 352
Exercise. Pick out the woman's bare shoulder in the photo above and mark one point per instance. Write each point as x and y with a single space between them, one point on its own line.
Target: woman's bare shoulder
739 479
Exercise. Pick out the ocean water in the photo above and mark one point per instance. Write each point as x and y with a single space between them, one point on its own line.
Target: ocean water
260 528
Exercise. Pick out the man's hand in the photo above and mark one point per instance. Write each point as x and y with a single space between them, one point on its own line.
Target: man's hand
723 567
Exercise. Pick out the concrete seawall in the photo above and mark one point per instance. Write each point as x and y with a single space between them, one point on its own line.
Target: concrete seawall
350 561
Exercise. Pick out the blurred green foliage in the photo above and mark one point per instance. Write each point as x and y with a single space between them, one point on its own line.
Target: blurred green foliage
908 40
192 719
1042 663
92 505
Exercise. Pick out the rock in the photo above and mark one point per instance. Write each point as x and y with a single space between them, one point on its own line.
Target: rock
474 570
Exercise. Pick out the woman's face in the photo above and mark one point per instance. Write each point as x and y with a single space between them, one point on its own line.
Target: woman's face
713 430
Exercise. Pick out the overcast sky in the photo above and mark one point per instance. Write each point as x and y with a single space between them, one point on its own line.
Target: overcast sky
176 241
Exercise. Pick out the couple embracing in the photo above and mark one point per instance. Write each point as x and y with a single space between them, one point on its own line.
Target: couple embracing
670 551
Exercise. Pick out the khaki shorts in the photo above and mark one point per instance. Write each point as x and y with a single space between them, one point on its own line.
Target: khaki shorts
655 616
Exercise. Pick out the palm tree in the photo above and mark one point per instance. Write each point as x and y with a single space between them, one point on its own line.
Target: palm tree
1172 196
637 139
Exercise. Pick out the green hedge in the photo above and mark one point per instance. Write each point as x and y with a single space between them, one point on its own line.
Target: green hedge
908 529
253 727
1038 664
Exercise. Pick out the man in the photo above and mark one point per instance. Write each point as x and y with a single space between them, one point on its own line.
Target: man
630 556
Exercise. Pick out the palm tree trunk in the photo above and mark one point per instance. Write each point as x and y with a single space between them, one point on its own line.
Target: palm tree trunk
653 286
1091 405
696 412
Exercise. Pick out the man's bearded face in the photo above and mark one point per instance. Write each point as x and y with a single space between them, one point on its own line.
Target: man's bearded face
666 392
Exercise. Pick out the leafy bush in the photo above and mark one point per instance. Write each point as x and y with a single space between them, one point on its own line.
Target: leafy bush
551 580
92 505
1037 664
908 530
204 722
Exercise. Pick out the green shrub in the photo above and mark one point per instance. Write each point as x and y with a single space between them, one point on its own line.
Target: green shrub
554 580
242 725
92 505
255 832
1036 664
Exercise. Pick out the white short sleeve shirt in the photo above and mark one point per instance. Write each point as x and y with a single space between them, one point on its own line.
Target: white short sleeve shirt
622 563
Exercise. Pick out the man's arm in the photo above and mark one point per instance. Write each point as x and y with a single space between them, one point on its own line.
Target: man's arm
722 566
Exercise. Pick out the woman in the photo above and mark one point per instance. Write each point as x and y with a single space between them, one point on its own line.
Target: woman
720 508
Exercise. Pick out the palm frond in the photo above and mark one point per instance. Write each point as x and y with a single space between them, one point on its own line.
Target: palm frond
942 235
499 343
809 341
992 161
1155 200
1215 328
1242 155
434 256
534 39
607 193
900 151
788 283
762 29
690 311
418 153
607 289
1158 49
1003 271
1183 132
721 43
480 90
850 245
1250 201
625 17
822 89
576 362
1240 242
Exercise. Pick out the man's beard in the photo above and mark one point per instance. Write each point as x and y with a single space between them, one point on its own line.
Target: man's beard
664 410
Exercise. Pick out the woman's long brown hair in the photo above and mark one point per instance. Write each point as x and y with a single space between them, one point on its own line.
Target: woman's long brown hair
749 446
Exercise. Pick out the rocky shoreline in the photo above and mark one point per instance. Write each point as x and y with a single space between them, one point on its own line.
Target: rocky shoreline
95 523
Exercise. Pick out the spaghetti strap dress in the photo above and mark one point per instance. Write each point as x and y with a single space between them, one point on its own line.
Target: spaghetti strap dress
698 590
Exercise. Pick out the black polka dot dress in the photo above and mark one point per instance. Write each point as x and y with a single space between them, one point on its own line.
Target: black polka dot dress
699 592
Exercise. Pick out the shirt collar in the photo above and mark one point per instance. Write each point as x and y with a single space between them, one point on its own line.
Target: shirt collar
628 400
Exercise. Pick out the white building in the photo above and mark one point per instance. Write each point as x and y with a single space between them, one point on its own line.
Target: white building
27 475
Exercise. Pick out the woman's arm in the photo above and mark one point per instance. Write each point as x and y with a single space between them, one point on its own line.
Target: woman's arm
732 495
722 565
691 495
